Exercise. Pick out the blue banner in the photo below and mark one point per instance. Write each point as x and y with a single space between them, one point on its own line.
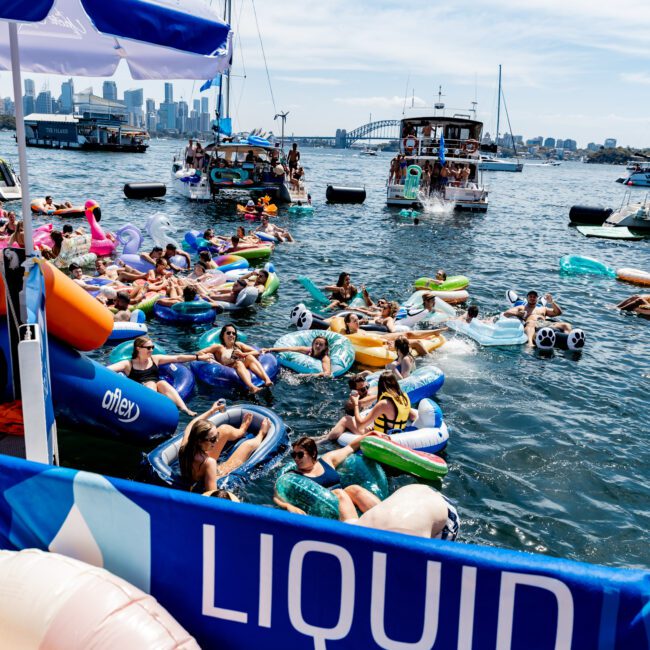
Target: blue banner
216 82
35 304
441 151
244 576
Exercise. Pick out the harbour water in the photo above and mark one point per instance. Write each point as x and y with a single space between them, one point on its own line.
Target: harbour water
547 454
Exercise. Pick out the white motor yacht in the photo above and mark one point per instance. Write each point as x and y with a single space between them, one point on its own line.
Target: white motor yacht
433 142
10 188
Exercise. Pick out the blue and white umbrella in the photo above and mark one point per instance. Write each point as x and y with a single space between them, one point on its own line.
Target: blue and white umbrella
158 39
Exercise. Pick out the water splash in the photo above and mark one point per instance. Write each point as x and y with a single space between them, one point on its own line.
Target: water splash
435 203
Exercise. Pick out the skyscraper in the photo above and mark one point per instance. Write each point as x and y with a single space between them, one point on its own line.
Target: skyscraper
196 105
150 106
30 88
205 104
109 90
67 96
44 102
169 93
181 116
133 100
28 104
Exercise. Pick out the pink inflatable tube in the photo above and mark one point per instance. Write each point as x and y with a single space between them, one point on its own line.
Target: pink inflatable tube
103 243
42 236
52 601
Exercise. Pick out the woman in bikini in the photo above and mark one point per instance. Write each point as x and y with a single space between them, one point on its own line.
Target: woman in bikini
342 292
240 357
143 368
203 443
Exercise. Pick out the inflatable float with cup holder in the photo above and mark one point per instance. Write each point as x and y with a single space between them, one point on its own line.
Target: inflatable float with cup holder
176 374
163 460
428 433
226 379
315 500
340 349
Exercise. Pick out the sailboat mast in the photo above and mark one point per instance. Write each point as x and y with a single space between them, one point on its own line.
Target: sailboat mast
228 19
498 106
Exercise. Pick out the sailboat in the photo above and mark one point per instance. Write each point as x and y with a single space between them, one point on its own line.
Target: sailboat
493 163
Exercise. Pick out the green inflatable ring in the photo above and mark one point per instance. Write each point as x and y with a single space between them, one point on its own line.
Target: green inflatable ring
452 283
211 337
318 501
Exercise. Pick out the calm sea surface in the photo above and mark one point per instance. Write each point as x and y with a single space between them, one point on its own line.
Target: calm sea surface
548 455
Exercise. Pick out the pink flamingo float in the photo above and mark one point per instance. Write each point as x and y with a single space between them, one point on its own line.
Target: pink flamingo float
103 242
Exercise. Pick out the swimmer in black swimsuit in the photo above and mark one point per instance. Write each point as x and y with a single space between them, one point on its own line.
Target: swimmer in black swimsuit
143 368
323 471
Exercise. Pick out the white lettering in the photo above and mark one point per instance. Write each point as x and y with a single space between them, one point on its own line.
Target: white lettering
207 604
378 601
122 407
509 582
266 580
466 615
346 603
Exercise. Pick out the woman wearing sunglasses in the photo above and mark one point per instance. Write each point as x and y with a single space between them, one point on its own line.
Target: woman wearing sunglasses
203 443
240 357
143 368
323 471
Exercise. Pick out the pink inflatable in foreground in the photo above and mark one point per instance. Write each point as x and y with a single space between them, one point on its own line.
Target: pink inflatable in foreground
52 601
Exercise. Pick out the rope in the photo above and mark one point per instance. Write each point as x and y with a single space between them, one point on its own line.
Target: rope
268 76
512 139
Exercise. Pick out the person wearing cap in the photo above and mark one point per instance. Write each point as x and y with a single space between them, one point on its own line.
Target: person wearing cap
535 316
250 207
279 172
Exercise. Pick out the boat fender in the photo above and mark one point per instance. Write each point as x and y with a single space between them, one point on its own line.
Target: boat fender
144 190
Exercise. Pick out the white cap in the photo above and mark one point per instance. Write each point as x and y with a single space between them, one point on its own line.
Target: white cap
250 204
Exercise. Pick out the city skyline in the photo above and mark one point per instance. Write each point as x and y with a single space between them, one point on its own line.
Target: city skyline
569 67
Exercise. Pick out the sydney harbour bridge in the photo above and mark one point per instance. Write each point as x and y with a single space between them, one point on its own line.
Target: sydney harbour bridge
379 130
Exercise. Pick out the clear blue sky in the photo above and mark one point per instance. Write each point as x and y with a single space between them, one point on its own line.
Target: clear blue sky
572 68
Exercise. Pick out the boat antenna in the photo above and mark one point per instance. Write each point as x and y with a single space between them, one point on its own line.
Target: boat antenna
413 98
473 109
406 90
439 105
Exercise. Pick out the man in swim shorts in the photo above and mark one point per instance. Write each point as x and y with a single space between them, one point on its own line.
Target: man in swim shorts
535 316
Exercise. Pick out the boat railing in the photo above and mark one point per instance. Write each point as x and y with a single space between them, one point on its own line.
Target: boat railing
430 146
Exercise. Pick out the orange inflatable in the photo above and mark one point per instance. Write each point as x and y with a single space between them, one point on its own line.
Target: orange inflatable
73 315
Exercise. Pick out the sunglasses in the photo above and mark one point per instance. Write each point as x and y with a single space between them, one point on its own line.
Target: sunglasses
212 439
229 333
147 347
297 455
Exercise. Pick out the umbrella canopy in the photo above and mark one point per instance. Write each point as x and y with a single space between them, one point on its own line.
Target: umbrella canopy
187 25
84 38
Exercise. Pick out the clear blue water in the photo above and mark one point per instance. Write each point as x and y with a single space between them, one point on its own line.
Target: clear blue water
546 454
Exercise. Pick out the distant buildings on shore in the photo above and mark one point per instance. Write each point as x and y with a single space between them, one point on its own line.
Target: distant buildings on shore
170 117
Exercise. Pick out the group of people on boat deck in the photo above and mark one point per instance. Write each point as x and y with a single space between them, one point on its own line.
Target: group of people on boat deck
435 175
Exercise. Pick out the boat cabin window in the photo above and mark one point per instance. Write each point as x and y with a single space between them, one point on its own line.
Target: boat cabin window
453 132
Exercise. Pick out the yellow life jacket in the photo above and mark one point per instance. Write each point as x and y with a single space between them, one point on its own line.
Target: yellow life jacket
383 424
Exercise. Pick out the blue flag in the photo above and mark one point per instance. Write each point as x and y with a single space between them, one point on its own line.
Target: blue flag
441 150
216 82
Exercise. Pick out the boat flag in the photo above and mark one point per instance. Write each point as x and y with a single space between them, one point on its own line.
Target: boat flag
441 151
216 82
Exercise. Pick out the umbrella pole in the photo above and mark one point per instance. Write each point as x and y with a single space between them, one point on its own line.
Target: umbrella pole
20 138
